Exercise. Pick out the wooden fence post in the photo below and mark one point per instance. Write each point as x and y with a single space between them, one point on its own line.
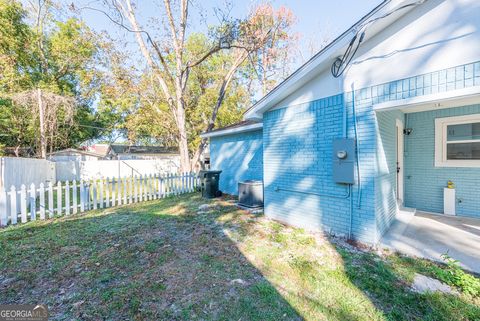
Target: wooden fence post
75 197
41 192
160 187
3 208
135 188
82 196
191 182
140 188
150 187
154 185
33 202
23 203
100 193
59 198
124 181
50 199
107 192
94 194
67 198
119 192
13 205
130 190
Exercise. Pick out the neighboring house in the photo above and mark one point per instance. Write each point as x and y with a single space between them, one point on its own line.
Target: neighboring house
123 152
410 98
72 154
100 149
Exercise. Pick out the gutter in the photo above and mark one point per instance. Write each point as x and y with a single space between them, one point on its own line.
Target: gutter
231 131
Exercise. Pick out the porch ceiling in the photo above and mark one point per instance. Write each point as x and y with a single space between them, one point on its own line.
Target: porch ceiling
447 99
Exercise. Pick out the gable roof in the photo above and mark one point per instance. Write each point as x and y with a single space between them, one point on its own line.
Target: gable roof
75 151
101 149
377 19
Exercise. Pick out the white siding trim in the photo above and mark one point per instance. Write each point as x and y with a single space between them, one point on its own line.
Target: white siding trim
230 131
447 99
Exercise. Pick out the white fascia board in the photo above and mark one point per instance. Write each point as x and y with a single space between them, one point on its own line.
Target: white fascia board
231 131
446 99
321 62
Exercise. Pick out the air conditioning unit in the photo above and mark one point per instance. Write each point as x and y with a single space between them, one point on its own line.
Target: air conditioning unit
250 193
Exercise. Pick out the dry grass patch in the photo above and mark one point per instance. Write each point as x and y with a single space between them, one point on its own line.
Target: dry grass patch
166 260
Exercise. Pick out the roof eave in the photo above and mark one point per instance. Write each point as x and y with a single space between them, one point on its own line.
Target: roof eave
231 131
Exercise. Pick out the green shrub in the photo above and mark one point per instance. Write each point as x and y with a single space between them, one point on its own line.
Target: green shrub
454 275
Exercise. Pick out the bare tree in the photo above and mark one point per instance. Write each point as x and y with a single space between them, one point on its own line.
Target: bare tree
51 111
242 37
317 41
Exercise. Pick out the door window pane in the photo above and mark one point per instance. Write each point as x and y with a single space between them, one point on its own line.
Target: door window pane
463 150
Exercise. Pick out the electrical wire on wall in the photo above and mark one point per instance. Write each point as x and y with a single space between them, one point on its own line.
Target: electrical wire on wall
341 63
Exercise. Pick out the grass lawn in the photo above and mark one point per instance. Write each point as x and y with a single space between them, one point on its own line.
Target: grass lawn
165 260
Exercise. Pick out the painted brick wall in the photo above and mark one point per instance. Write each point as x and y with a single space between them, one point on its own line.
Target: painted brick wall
239 156
297 142
423 181
299 188
297 156
386 178
422 192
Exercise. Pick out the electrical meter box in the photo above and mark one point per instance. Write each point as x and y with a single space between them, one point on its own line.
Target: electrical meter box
344 160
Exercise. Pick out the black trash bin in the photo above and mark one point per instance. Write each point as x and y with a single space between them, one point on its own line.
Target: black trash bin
209 183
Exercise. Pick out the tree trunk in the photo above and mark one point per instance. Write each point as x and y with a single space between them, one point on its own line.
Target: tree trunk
221 96
182 139
41 115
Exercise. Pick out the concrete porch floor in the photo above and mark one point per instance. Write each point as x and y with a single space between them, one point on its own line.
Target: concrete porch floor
430 235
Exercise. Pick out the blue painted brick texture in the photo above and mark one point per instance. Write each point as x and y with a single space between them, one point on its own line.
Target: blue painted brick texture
423 181
297 155
239 156
299 188
386 178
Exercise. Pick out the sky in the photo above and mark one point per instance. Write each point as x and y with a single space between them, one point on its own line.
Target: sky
317 21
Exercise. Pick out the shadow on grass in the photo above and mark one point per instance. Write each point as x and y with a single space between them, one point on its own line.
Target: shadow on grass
151 261
166 260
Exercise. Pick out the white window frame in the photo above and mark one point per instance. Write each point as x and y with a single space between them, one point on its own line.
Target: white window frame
441 141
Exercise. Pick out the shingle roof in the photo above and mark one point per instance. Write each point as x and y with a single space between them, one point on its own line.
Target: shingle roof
129 149
77 151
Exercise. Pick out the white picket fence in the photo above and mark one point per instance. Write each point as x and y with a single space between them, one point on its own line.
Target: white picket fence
71 197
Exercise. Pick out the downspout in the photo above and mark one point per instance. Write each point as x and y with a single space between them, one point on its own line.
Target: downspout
345 135
354 112
345 110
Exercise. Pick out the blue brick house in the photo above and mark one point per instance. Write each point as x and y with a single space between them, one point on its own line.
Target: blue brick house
407 95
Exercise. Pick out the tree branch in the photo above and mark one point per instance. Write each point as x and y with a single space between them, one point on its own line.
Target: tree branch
136 30
242 55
